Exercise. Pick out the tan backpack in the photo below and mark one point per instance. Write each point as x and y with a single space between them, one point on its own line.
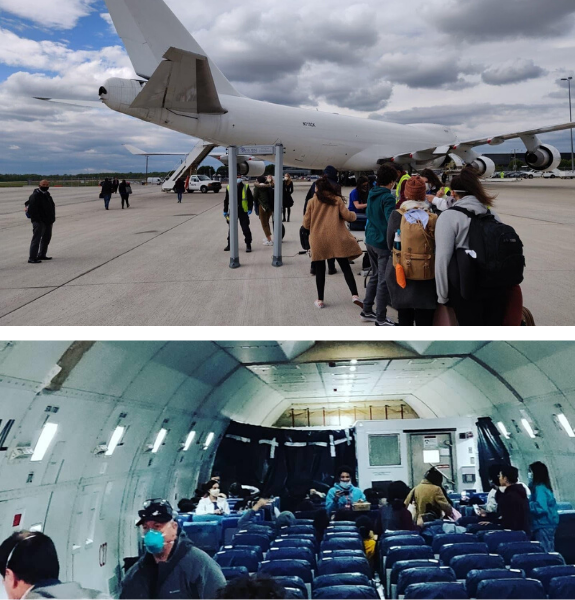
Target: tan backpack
417 254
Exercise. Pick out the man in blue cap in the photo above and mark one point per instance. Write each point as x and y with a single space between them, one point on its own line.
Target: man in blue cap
172 566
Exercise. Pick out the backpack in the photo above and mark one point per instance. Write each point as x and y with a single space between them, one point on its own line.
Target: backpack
417 254
500 261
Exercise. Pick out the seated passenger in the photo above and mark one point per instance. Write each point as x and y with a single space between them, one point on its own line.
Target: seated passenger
256 586
212 502
365 527
512 503
172 566
543 506
372 497
429 497
343 494
30 569
394 514
320 524
358 196
282 519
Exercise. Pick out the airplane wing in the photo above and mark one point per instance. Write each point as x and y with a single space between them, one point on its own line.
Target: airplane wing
183 81
499 139
138 152
78 103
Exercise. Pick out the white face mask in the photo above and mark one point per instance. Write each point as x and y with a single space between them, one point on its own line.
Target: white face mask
214 492
240 180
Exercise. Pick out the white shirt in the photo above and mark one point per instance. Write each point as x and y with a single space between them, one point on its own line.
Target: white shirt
206 506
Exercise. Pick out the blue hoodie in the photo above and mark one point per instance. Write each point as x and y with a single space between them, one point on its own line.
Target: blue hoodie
543 508
332 503
380 205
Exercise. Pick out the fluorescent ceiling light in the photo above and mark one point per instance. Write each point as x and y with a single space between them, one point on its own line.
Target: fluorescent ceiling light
47 435
528 428
189 440
566 425
115 440
503 430
354 362
209 439
159 439
353 368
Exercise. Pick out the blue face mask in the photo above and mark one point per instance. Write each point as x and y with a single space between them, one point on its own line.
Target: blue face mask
345 485
154 541
530 477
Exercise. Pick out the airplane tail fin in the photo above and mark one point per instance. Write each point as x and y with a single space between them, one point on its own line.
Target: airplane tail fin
149 29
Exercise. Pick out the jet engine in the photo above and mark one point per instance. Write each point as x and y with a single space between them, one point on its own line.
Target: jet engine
484 166
543 158
253 168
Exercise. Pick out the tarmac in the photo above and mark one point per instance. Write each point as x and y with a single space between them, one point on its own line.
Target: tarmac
162 263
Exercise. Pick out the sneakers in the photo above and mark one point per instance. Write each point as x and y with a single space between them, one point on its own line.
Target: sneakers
34 261
368 315
227 248
387 322
357 301
268 243
248 247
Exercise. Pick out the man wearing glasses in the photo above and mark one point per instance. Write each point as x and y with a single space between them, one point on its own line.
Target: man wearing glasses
172 566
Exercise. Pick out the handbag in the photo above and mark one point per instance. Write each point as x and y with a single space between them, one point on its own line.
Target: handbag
101 195
304 238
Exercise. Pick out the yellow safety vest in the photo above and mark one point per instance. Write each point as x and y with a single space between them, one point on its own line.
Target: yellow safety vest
398 188
244 196
447 190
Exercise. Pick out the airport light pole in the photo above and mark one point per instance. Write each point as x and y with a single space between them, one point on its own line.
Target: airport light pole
568 80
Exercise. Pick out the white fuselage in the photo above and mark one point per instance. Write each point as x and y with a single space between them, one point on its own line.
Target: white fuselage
312 139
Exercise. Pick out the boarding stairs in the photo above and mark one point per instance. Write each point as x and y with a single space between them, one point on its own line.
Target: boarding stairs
189 164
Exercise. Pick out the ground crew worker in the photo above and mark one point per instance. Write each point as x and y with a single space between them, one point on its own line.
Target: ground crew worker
172 566
402 178
245 207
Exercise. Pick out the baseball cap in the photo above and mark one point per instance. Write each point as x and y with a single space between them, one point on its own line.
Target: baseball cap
156 509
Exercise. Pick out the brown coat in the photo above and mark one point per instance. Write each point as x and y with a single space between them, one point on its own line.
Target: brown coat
426 493
329 237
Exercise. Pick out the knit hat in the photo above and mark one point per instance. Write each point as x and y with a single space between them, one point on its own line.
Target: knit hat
415 189
285 519
331 173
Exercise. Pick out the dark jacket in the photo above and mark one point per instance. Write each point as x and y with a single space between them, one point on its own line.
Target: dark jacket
416 294
107 187
250 198
41 207
513 508
380 205
180 186
188 573
124 189
395 516
287 197
264 196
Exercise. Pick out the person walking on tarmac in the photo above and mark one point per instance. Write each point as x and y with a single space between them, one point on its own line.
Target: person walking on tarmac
245 207
41 210
180 188
125 191
287 197
172 566
106 194
263 196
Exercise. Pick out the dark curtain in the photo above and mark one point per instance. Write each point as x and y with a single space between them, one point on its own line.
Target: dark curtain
492 450
305 462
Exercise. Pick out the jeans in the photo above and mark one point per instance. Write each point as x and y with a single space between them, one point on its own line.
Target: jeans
180 194
345 269
41 236
546 536
377 287
107 200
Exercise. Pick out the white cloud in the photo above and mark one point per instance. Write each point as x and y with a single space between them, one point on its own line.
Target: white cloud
13 147
63 14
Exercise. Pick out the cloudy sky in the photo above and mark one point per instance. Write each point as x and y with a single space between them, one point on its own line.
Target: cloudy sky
482 68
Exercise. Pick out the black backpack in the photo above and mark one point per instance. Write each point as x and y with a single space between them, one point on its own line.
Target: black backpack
500 261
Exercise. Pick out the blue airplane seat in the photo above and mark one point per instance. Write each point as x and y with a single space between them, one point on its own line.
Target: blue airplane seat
465 563
340 579
297 529
401 565
288 566
307 514
391 533
436 589
528 562
562 587
340 524
351 533
406 553
233 572
494 538
562 506
451 538
300 521
252 539
229 528
476 576
205 536
291 583
209 518
238 558
478 527
256 549
519 588
546 574
344 564
423 575
336 592
257 528
299 553
449 551
509 549
565 536
400 540
342 544
465 521
293 542
334 553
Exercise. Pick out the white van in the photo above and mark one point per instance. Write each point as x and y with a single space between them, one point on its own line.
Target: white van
155 180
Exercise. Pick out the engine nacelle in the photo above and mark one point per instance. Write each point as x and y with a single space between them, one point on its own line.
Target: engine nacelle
543 158
253 168
484 166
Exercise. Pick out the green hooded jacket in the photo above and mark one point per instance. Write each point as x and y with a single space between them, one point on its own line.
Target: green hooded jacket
380 205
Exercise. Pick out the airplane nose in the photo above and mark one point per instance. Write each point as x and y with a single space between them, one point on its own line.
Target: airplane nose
102 91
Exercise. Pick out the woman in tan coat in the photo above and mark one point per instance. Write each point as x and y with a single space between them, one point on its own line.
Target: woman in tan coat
325 217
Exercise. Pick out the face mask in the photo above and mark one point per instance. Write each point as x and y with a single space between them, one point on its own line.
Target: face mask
154 541
530 477
43 188
240 180
345 484
214 492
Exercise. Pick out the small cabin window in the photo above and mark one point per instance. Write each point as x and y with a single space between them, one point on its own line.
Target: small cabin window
384 450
